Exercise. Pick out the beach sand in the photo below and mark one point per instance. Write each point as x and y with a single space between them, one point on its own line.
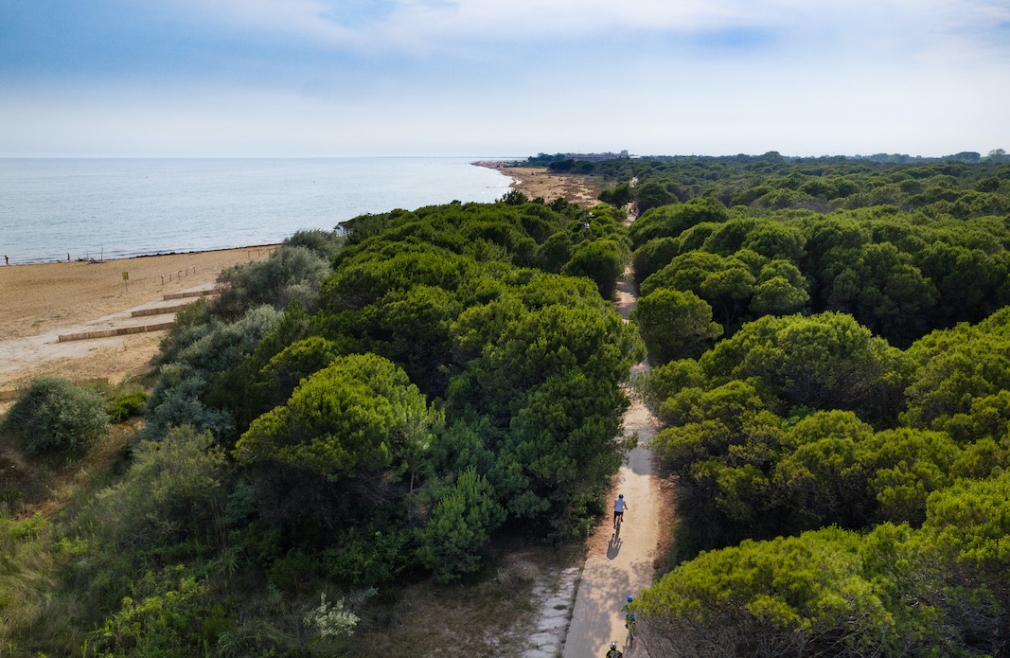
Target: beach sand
540 182
40 302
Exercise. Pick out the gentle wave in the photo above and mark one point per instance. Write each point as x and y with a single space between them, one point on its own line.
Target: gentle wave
115 208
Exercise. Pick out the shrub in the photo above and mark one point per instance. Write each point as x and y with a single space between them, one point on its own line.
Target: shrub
171 492
191 324
675 325
170 621
323 243
461 522
54 415
601 260
331 619
124 404
290 273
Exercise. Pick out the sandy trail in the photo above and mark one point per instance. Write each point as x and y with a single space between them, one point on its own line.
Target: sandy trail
620 564
45 353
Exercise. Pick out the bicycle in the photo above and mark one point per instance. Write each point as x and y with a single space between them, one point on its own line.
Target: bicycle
629 622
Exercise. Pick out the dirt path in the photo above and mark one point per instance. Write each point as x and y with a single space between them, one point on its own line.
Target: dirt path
620 564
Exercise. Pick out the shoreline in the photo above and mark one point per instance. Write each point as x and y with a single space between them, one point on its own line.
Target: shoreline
89 260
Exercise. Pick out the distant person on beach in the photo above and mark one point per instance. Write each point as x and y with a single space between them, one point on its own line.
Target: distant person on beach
7 261
68 256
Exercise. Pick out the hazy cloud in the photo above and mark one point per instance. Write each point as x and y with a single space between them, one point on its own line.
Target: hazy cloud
438 77
924 25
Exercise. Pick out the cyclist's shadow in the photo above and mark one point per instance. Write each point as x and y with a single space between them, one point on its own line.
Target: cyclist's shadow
614 547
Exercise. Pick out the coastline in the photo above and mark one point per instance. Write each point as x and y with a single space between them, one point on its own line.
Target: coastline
135 206
41 300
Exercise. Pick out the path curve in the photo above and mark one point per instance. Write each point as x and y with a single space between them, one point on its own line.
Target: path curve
619 565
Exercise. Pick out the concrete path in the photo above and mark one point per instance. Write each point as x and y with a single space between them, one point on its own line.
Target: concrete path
620 564
554 606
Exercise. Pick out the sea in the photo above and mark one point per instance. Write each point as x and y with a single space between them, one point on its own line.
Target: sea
116 208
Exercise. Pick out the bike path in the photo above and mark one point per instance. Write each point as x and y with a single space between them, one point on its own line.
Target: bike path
620 564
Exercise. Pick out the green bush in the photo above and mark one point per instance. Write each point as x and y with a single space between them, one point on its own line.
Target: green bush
54 415
600 260
122 405
168 617
290 273
172 492
675 325
323 243
461 523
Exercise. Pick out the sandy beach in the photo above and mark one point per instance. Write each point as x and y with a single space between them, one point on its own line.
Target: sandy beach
43 301
541 182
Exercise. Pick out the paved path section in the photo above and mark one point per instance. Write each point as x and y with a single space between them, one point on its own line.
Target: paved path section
620 564
554 606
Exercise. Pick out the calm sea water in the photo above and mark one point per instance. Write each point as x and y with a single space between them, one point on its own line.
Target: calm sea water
130 207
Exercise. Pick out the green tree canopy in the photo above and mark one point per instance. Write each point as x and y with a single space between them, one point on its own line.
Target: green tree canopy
675 325
360 414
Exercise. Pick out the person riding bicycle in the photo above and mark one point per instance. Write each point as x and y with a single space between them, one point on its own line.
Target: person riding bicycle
619 506
614 653
629 614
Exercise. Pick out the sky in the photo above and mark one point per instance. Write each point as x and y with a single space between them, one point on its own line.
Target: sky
501 78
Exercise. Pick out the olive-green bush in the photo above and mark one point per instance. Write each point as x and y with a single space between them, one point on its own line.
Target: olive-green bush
53 415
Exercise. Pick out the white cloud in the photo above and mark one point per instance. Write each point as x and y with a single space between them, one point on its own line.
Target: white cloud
919 77
926 26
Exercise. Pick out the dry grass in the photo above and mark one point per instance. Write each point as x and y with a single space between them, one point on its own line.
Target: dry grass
29 485
489 618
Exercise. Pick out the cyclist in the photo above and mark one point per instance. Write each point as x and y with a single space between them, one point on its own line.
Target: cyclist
614 653
629 616
619 506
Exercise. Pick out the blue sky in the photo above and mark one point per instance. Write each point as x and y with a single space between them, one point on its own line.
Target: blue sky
498 78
